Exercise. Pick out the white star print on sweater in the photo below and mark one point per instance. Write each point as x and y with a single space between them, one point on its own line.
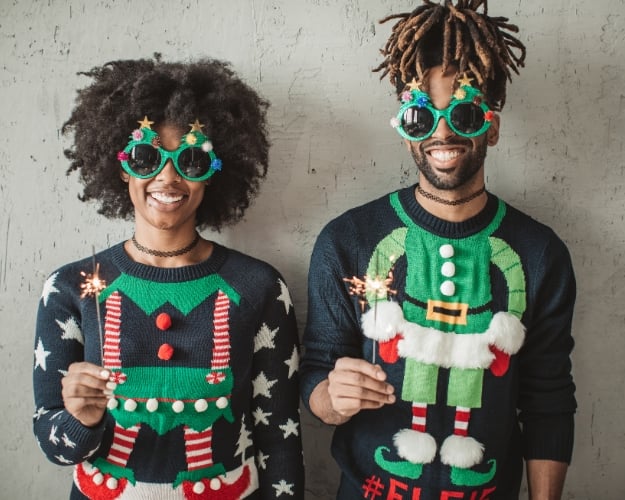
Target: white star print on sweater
263 363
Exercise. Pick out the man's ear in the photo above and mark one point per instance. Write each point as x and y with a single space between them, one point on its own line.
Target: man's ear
492 134
124 176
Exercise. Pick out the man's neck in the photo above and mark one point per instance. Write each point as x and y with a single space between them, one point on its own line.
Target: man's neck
452 205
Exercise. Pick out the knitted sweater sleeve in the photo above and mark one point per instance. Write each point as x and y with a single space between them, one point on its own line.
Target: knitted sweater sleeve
275 406
59 342
333 327
546 399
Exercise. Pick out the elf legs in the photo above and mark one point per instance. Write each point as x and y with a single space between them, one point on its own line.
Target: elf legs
464 392
203 479
108 478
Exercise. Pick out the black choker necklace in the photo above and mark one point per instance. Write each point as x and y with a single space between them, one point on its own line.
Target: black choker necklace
172 253
443 201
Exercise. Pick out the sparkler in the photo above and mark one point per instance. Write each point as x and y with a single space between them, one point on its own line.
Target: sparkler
368 288
91 287
377 287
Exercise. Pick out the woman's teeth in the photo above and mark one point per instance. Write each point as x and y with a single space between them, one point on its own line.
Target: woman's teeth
166 198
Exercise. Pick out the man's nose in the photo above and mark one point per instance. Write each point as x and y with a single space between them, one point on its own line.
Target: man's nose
442 130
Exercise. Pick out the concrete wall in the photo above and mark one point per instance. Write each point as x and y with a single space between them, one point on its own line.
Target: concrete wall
560 159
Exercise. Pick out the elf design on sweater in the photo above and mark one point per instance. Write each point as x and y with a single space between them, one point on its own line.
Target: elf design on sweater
446 321
194 413
475 338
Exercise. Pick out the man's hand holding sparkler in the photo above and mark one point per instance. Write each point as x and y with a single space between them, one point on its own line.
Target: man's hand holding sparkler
86 390
353 385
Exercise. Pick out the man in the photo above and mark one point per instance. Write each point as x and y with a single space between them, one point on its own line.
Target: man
439 332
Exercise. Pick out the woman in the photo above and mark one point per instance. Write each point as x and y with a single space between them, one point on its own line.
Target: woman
165 366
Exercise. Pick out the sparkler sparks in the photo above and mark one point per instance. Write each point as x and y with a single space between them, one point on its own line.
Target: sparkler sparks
92 284
91 287
379 288
373 289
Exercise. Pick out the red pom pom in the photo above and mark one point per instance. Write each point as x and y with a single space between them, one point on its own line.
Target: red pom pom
163 321
165 352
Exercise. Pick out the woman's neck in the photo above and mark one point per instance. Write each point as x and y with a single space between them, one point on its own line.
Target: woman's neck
168 248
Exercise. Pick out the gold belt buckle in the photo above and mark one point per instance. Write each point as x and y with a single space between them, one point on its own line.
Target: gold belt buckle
454 313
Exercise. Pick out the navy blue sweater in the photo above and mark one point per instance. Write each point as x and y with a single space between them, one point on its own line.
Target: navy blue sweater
205 358
475 336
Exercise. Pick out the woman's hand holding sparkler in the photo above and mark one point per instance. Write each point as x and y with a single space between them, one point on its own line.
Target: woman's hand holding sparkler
353 385
86 390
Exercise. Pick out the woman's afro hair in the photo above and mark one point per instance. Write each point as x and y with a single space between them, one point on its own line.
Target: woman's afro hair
176 93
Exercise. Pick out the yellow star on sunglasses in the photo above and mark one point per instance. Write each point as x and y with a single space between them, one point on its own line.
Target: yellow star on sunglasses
414 85
196 126
145 123
465 81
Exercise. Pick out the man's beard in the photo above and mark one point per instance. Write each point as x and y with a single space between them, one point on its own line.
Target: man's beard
471 163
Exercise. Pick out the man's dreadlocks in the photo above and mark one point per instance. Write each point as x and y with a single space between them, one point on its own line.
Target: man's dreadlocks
448 34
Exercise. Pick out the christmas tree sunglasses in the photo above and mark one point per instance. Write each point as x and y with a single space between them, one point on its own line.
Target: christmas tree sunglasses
467 114
144 157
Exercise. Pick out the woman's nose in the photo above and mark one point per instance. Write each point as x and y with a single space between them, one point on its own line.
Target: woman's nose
169 173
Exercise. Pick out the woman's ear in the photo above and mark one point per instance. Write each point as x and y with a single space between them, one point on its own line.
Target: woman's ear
124 176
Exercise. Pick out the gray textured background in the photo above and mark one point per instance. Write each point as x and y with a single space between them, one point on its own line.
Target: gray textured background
560 159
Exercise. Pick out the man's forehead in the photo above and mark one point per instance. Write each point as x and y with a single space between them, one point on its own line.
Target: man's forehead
451 76
448 82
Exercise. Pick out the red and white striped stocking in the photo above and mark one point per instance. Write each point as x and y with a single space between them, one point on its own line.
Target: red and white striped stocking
419 414
123 444
461 422
198 448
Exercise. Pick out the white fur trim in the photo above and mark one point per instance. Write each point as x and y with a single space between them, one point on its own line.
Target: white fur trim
461 451
383 321
414 446
506 332
435 347
446 349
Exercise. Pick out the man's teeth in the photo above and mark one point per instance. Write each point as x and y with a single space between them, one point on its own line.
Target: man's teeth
166 198
444 155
